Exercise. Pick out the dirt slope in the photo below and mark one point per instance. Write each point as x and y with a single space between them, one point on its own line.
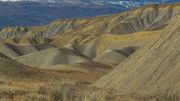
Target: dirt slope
50 57
142 44
153 70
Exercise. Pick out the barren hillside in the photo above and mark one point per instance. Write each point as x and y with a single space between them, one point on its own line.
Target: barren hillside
130 56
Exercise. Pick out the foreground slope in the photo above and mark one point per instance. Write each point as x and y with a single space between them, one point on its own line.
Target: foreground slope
23 83
153 70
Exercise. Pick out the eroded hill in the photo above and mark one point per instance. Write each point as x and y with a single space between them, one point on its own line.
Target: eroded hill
152 71
140 46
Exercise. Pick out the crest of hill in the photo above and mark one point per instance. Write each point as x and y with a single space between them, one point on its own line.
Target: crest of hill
118 42
50 57
114 57
153 70
14 50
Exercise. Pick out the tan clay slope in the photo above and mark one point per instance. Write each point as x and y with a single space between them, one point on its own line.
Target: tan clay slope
114 57
77 39
153 70
23 49
15 50
11 70
50 57
7 50
119 42
92 46
26 40
151 17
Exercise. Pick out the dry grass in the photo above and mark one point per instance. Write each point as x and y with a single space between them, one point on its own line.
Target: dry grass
13 91
18 91
105 95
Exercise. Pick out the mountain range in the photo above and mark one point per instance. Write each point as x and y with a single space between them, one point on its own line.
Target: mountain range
38 12
96 1
125 3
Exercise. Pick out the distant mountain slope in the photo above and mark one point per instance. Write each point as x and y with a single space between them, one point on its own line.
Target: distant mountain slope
37 13
150 17
126 3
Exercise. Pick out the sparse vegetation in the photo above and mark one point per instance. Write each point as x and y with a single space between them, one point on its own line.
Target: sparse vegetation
40 92
141 46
